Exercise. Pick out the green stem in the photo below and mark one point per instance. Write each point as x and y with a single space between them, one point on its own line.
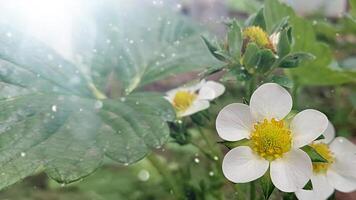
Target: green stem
252 191
203 151
208 141
167 176
295 92
251 86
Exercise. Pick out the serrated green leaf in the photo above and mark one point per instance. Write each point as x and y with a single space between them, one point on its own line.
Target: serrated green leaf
266 185
57 121
313 154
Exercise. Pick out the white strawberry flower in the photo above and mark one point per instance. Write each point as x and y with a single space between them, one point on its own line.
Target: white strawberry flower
189 100
338 173
273 142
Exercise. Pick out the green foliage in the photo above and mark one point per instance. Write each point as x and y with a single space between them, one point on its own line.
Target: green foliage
58 120
324 73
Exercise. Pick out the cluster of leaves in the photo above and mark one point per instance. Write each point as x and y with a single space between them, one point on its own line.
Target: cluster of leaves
247 59
58 115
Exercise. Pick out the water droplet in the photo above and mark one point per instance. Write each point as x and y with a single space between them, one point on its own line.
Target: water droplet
108 41
131 41
80 109
9 34
196 160
216 158
122 99
143 175
98 104
211 173
54 108
23 154
126 164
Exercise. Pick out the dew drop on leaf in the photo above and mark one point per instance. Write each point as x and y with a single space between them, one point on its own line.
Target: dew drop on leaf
23 154
54 108
196 160
143 175
211 173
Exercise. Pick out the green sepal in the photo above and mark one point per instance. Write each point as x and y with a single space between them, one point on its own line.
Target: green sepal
231 145
313 154
308 186
284 43
251 57
214 50
266 60
266 185
234 39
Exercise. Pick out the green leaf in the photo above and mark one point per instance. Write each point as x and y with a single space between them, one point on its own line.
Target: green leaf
295 59
313 154
308 186
323 73
57 121
234 39
231 145
214 50
266 185
251 57
282 80
266 60
258 20
284 44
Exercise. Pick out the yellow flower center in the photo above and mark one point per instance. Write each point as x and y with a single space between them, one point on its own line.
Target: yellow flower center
183 100
257 35
271 139
325 152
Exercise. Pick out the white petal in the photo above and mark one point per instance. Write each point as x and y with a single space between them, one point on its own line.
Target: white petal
241 165
308 125
341 146
211 90
192 88
345 157
270 101
321 189
198 105
234 122
329 134
341 183
291 172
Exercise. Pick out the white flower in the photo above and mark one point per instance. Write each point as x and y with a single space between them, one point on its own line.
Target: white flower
273 142
190 100
338 173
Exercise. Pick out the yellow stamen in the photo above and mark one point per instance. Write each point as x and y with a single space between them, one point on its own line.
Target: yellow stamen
271 139
325 152
183 100
257 35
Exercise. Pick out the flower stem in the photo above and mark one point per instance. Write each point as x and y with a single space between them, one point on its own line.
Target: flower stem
252 191
166 175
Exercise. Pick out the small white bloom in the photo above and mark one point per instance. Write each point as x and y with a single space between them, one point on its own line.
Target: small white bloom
338 173
273 143
190 100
